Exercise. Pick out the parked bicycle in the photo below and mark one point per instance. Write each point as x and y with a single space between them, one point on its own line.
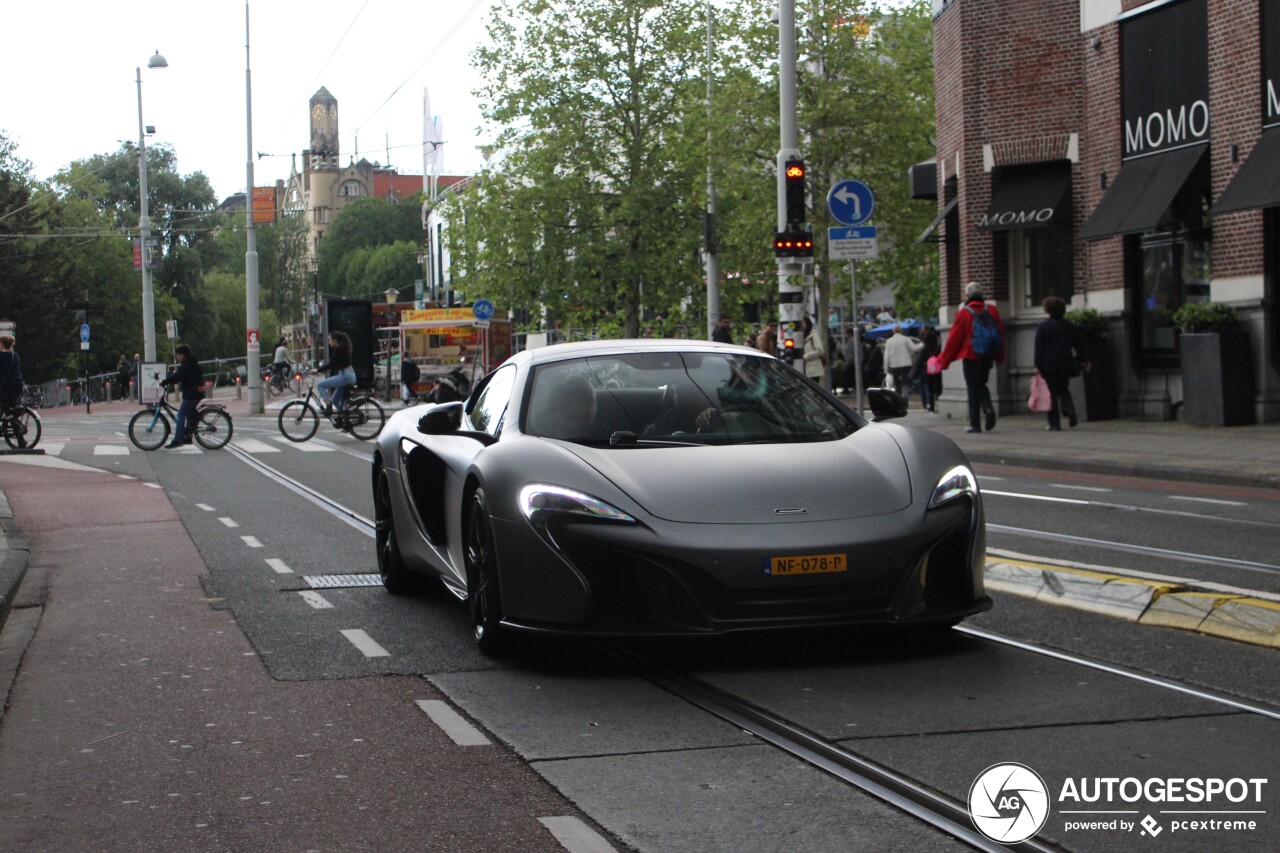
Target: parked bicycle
149 429
282 382
21 427
360 415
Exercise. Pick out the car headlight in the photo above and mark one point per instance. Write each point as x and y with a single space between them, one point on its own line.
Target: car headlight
956 483
539 500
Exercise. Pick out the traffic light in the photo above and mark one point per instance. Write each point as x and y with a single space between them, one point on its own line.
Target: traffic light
793 176
793 244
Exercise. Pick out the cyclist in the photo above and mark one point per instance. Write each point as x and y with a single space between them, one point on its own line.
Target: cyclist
10 374
341 373
191 378
280 363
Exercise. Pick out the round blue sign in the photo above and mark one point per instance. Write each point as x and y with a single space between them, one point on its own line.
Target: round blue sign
851 202
84 333
483 309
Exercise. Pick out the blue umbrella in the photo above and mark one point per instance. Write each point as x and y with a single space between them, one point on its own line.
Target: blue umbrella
910 327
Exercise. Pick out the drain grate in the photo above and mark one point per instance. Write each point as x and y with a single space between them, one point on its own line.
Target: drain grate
341 581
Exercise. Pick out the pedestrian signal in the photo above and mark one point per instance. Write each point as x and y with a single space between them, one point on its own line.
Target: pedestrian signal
793 244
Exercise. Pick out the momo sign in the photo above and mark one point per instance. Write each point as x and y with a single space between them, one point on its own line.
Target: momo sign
1165 77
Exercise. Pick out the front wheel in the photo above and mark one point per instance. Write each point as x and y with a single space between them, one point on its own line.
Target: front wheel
481 562
365 418
298 421
213 429
149 429
22 429
395 576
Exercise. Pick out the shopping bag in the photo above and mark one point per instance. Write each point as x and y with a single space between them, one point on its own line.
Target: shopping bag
933 366
1039 401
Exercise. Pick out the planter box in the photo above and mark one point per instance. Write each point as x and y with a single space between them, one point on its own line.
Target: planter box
1100 382
1217 379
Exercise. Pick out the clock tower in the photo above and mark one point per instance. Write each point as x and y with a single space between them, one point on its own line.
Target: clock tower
324 130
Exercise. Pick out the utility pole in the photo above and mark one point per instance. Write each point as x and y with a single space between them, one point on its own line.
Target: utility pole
709 245
253 334
790 265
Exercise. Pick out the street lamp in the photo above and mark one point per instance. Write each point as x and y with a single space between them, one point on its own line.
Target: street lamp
392 294
144 224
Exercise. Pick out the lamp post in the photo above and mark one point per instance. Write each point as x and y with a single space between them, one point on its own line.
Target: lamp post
251 251
144 224
313 266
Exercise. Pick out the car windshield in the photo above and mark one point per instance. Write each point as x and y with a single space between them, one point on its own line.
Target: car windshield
678 398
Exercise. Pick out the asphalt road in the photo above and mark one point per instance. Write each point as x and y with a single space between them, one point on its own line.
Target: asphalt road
654 770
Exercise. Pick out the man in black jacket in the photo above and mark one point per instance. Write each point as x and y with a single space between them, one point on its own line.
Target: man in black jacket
191 378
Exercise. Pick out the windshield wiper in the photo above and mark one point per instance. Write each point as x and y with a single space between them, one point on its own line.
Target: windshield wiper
627 437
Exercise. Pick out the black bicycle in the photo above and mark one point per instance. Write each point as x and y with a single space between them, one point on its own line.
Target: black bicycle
282 382
21 427
149 429
360 415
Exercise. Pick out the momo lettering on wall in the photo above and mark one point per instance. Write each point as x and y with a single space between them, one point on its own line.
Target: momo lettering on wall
1165 73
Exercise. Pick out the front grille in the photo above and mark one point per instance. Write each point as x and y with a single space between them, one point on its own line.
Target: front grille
947 576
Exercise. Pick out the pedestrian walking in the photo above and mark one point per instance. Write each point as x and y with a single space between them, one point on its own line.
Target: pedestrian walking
137 376
1057 359
123 370
899 358
930 383
815 354
977 340
10 374
768 339
723 332
190 377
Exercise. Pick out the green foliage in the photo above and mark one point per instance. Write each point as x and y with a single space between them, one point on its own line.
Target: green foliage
1201 317
367 224
1089 323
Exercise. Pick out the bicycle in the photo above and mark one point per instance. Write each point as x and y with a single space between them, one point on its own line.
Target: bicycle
277 383
360 415
21 427
149 428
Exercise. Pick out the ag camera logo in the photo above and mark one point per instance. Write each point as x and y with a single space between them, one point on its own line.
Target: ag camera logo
1008 802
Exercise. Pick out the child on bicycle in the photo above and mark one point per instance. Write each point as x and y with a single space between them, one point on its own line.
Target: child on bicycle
191 378
10 374
341 373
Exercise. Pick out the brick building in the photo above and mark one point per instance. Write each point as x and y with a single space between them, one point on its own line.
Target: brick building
1115 153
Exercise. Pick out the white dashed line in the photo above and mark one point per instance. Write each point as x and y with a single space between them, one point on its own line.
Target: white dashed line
366 644
125 476
1079 488
1207 501
153 485
281 568
451 723
251 541
54 448
575 836
229 522
110 450
204 507
315 599
252 445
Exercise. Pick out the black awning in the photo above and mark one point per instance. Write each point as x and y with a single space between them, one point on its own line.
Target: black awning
1257 183
937 220
1141 193
1027 198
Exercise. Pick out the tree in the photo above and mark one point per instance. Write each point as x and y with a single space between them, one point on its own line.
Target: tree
596 215
366 224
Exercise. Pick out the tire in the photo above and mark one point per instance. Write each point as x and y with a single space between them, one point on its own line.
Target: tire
396 578
365 419
294 384
213 429
483 600
298 421
144 435
22 429
273 386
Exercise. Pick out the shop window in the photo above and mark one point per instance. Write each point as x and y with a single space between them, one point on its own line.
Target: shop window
1041 263
1170 266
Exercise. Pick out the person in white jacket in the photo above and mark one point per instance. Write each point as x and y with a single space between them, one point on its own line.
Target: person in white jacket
815 354
899 357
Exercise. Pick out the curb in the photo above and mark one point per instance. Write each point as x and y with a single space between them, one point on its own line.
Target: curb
1147 602
14 556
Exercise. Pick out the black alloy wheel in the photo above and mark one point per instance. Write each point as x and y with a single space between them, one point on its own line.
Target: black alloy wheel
482 578
396 578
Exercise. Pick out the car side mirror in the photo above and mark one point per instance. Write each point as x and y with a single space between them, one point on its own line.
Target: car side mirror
441 419
886 403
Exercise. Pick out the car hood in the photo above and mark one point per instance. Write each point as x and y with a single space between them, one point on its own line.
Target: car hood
862 475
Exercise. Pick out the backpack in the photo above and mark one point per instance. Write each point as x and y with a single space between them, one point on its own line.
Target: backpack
986 336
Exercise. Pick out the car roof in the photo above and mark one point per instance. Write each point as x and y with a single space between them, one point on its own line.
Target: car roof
581 349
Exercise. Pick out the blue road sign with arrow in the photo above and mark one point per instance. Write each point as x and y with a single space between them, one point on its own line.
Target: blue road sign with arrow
851 202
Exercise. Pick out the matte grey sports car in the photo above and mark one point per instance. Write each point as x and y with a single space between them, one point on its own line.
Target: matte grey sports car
664 487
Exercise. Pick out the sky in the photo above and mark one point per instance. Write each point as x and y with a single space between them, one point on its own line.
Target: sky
70 81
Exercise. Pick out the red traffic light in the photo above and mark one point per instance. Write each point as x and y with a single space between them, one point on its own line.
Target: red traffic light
793 244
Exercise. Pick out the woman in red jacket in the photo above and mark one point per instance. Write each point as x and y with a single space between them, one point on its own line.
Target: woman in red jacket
976 339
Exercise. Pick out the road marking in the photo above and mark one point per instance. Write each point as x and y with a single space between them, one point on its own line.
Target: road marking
204 507
252 445
1079 488
54 448
251 541
110 450
126 476
315 599
451 723
280 566
365 643
153 485
575 836
1207 501
190 449
304 446
229 522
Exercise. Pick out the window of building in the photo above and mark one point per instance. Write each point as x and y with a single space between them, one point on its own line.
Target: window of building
320 215
1041 263
1170 266
351 188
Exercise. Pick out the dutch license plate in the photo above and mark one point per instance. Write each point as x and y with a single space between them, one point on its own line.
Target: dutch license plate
808 564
